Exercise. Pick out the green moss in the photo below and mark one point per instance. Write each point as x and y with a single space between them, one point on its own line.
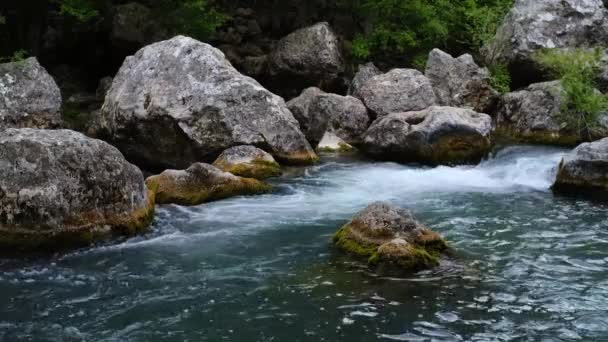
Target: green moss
507 132
349 245
342 148
258 169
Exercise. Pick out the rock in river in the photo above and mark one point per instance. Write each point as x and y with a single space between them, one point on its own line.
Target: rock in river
436 135
179 101
249 162
584 170
201 183
391 238
59 189
29 97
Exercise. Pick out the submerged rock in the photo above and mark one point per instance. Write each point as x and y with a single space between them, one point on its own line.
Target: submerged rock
364 74
180 101
533 115
59 189
308 56
249 162
399 90
29 97
201 183
531 26
584 170
459 82
436 135
391 238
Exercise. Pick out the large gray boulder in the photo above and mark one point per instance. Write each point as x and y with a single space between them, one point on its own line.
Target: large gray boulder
29 97
399 90
309 56
436 135
59 189
584 170
345 116
180 101
364 74
310 126
533 115
460 82
390 238
545 24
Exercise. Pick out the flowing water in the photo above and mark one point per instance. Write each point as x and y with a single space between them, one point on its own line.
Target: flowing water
529 266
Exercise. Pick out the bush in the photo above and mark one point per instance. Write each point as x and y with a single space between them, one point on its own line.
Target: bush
500 79
577 70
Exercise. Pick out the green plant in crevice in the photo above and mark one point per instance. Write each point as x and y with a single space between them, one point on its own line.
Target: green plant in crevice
196 18
17 57
82 10
500 78
577 70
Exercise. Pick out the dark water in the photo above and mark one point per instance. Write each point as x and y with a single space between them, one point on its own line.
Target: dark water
530 266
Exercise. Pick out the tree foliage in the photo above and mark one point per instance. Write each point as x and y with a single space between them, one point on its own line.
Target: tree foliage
577 70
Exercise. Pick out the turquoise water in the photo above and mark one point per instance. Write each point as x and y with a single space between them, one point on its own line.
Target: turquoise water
530 266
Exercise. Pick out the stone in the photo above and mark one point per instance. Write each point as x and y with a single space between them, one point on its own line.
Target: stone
249 162
364 74
332 143
29 97
531 26
307 57
460 82
179 101
399 90
585 170
60 189
345 116
436 135
312 129
391 238
201 183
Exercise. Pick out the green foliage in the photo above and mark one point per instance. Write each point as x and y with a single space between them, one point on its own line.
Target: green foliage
577 70
2 19
195 18
17 57
500 78
82 10
404 29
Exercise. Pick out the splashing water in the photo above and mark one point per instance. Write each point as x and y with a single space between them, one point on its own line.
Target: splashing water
530 266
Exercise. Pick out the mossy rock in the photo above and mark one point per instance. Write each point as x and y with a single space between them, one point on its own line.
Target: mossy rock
390 239
201 183
249 162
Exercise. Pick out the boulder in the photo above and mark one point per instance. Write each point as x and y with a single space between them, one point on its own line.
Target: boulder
180 101
364 74
584 170
248 161
545 24
436 135
345 116
332 143
60 189
391 238
201 183
399 90
307 57
459 82
29 97
312 129
134 25
533 115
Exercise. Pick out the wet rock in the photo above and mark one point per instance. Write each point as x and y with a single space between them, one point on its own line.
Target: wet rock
364 74
180 101
29 97
390 238
332 143
201 183
59 189
436 135
533 115
585 170
399 90
459 82
545 24
345 116
248 161
310 126
307 57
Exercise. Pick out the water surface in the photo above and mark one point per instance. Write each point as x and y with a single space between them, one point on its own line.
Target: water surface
530 266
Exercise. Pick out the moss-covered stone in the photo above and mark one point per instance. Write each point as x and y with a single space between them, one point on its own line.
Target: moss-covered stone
201 183
389 239
507 132
249 162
